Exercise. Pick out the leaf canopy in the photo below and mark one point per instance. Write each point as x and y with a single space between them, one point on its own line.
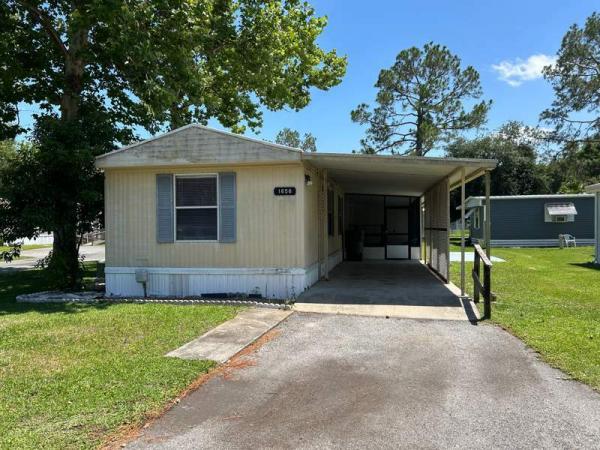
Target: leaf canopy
164 63
575 79
292 138
421 102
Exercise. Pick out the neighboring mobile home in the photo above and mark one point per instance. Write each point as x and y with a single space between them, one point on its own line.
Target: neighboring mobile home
199 211
533 220
594 189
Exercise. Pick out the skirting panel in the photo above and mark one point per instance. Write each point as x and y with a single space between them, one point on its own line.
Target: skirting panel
529 242
312 275
335 259
189 282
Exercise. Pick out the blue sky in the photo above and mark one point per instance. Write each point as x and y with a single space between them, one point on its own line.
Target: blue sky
482 33
515 36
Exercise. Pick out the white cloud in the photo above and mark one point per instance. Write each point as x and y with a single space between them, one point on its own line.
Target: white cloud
517 71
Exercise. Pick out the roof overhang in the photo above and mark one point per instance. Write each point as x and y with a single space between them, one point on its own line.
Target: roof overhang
562 209
395 175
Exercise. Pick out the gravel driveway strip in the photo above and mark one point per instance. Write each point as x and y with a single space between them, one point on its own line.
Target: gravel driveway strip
331 381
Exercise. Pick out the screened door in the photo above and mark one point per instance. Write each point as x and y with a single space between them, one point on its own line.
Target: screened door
396 235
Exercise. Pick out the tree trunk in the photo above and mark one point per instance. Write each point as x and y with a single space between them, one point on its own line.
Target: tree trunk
65 248
65 255
419 135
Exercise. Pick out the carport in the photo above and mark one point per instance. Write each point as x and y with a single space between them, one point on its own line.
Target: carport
399 208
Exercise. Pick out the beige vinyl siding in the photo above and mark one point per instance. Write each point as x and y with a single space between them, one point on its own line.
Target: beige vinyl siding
270 229
313 224
311 217
335 241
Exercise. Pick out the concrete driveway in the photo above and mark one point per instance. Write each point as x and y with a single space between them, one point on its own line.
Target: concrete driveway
406 289
329 381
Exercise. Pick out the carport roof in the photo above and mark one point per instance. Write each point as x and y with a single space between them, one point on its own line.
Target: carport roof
395 175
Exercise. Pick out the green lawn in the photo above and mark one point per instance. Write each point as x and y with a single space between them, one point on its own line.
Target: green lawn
550 298
72 374
26 247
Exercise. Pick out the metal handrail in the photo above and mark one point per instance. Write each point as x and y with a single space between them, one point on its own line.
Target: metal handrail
484 288
92 236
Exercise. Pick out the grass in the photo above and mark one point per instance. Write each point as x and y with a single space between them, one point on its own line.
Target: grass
550 298
72 374
4 248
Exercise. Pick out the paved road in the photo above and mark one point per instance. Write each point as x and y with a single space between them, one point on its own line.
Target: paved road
355 382
29 258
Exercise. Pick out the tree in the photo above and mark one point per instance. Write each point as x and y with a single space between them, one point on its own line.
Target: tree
100 68
519 171
575 79
420 102
575 166
291 138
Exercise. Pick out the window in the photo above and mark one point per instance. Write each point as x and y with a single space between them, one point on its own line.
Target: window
196 210
330 200
559 212
340 215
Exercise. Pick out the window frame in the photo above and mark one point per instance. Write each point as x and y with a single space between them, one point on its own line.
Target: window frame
175 207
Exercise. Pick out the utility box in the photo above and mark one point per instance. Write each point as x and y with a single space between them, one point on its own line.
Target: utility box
141 276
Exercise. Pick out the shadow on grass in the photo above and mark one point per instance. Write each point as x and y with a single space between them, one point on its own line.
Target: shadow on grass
16 282
587 265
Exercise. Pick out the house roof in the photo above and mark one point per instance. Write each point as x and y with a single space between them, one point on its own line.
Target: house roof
592 188
370 174
472 202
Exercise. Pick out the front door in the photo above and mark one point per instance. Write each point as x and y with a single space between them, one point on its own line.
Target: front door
396 233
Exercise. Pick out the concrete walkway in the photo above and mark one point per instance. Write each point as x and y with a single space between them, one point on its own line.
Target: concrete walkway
470 257
347 382
385 288
224 341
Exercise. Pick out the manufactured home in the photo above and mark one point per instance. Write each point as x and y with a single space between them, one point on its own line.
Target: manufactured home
533 220
199 211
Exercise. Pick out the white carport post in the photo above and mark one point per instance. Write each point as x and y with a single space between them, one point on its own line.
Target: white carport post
462 232
488 216
325 226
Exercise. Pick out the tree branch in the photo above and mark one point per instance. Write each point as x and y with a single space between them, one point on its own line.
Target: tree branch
47 25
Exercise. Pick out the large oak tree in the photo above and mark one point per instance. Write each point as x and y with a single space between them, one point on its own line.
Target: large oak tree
99 68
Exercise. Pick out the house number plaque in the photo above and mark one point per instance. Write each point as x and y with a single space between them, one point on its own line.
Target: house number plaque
285 190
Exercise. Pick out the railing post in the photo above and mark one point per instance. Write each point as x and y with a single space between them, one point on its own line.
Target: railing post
487 292
477 272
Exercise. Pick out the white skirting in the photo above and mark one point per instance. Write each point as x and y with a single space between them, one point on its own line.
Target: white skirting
335 259
530 242
393 252
277 283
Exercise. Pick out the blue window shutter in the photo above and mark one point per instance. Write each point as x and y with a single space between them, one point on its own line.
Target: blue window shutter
227 207
164 208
